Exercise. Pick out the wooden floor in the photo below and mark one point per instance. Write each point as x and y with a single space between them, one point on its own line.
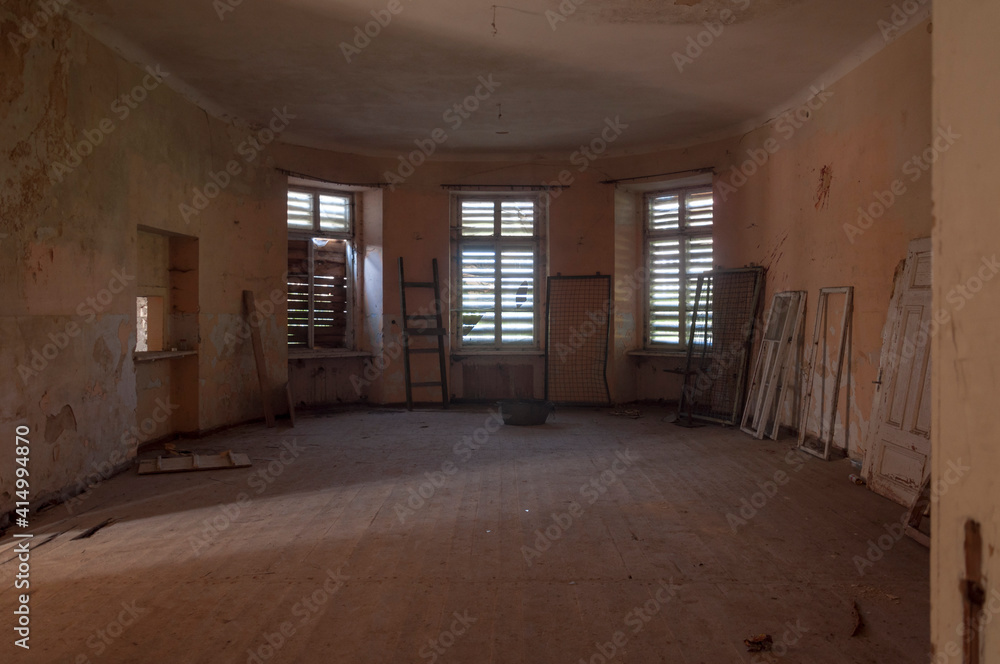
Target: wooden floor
640 564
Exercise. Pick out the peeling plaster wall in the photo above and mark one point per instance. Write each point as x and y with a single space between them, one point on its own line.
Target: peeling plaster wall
965 351
798 214
68 254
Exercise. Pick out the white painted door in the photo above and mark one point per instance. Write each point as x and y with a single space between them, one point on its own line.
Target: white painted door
899 446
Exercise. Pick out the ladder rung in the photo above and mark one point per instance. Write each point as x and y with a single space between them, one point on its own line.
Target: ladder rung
432 384
431 331
418 284
423 350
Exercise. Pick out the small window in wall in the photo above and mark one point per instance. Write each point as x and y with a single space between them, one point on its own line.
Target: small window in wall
498 270
150 323
678 248
320 256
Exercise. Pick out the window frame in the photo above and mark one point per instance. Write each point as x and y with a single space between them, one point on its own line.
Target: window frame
684 234
316 232
536 241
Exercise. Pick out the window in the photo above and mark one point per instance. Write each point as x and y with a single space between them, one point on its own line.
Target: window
678 249
498 269
149 323
320 257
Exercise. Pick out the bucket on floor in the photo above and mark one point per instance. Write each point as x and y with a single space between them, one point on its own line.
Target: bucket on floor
525 412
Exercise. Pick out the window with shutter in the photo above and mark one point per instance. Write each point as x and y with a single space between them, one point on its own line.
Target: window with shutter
678 249
319 269
498 271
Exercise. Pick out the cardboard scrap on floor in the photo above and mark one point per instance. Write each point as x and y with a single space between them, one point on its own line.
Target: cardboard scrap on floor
185 464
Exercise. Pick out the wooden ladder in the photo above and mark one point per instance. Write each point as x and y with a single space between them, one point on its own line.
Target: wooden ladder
417 325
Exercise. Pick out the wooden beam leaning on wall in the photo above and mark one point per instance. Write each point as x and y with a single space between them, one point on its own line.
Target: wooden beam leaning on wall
250 306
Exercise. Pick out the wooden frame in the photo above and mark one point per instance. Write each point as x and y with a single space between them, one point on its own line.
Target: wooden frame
889 367
351 265
846 334
772 370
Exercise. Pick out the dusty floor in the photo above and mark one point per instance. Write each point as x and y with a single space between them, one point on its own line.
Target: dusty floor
326 551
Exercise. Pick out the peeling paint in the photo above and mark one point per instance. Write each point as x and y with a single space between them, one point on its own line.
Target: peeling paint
56 424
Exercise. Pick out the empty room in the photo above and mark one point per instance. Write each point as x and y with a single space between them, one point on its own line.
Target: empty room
583 331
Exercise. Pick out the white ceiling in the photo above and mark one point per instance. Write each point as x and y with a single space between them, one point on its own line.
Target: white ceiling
608 59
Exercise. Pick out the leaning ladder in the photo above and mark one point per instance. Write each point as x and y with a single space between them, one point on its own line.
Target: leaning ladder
418 325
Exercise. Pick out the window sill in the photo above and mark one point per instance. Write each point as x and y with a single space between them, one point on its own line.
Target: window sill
154 355
666 354
325 353
467 353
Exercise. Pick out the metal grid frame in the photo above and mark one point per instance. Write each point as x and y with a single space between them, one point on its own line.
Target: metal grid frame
724 316
580 349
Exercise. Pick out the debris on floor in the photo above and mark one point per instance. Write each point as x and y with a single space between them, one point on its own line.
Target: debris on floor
860 481
859 622
633 413
184 464
759 643
172 450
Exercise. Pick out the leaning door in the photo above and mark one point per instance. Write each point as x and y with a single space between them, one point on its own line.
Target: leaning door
898 456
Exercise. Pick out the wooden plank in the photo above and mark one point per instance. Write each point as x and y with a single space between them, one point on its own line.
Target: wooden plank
826 433
291 403
185 464
973 593
791 363
250 305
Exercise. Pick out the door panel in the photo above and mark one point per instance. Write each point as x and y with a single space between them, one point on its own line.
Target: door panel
899 436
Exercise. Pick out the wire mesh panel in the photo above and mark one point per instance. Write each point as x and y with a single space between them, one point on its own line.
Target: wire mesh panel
576 351
724 313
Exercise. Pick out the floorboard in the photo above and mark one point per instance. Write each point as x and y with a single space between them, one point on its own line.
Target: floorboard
541 540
